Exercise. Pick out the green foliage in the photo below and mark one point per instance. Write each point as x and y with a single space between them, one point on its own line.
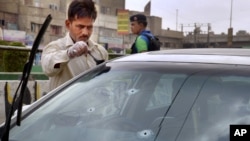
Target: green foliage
16 44
110 50
2 42
11 60
112 56
1 60
128 51
14 60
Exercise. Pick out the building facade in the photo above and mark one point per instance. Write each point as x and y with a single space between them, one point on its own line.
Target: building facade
29 15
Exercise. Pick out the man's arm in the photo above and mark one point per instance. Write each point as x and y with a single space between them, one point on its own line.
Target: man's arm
53 59
141 44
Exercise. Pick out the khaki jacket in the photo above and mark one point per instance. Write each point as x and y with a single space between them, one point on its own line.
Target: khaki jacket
56 52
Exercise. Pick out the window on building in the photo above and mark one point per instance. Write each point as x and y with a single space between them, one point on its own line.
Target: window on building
35 27
36 3
108 10
166 44
53 6
105 10
55 30
2 22
12 26
28 2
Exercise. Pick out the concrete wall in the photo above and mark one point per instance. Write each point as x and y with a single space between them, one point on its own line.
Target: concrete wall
43 84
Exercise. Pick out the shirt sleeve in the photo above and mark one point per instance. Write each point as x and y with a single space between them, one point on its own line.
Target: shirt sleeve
141 44
52 54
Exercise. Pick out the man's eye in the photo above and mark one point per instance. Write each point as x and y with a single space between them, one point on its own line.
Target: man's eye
80 27
89 27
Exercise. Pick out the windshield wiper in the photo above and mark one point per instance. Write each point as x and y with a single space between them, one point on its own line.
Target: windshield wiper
18 101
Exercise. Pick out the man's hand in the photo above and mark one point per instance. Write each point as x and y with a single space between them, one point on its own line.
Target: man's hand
78 49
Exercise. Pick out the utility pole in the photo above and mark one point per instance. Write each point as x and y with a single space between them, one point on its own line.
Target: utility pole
195 34
176 19
230 29
208 34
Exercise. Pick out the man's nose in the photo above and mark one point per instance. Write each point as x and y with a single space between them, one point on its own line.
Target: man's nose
85 31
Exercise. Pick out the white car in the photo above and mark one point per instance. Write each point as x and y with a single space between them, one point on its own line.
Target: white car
167 95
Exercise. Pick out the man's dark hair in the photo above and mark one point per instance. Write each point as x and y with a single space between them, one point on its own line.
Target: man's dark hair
81 9
143 22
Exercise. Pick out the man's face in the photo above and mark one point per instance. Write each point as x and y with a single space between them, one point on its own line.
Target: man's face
135 27
80 29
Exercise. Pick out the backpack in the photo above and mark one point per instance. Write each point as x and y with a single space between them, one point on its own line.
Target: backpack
154 42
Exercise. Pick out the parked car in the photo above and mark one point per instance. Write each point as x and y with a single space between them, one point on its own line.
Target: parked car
167 95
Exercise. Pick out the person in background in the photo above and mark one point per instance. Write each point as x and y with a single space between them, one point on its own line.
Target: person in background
75 53
138 24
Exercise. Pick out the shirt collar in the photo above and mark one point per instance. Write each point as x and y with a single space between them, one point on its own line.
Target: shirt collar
69 41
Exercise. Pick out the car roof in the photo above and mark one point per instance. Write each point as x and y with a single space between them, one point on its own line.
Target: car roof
194 55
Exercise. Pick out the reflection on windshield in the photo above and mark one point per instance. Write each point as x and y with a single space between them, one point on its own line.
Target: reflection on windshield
223 101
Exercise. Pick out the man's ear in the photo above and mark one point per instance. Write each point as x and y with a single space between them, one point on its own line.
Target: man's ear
141 24
67 23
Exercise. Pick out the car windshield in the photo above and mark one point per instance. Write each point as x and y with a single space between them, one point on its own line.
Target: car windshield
143 101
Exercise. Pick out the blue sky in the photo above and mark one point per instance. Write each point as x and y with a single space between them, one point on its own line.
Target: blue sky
217 13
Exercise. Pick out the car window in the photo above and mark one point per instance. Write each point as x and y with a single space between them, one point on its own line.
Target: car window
221 96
